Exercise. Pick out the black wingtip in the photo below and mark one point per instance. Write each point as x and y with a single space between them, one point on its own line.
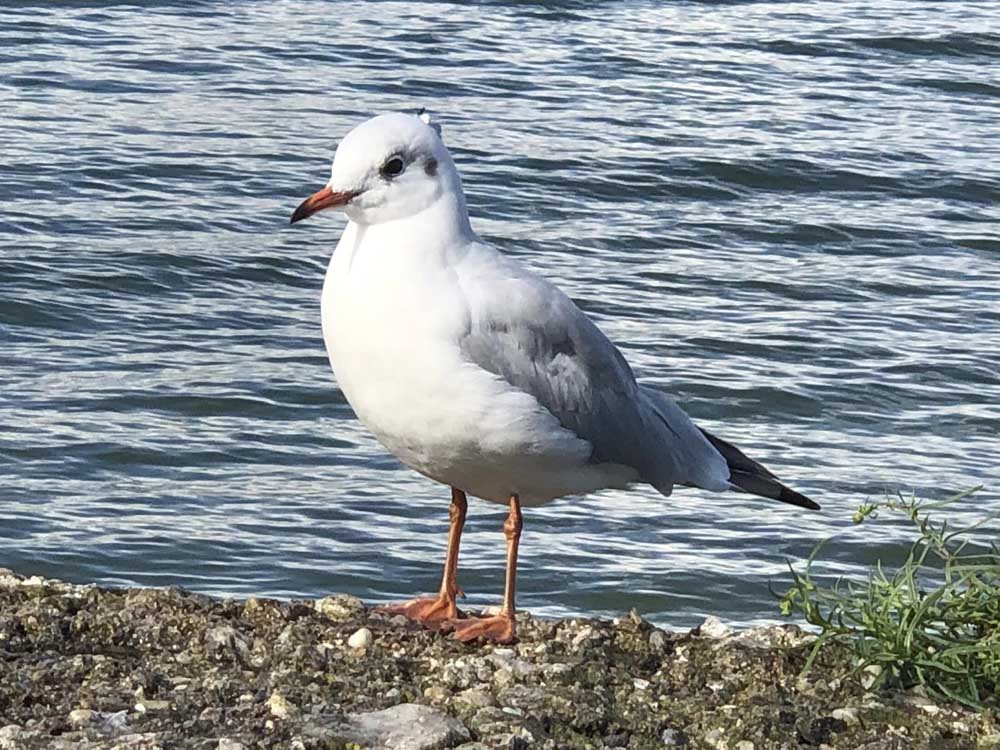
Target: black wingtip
770 488
792 497
753 477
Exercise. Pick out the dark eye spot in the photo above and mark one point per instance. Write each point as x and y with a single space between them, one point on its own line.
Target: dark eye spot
392 168
431 167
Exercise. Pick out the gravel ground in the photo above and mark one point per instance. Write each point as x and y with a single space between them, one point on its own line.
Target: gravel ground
140 669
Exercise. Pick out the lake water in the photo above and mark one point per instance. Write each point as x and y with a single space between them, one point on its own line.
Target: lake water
786 214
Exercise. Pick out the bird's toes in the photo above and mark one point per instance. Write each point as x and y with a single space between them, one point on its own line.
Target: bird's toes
428 611
495 629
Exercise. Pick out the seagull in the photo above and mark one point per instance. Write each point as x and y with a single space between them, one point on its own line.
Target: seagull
479 373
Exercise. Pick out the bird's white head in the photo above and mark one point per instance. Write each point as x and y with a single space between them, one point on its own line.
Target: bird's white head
388 168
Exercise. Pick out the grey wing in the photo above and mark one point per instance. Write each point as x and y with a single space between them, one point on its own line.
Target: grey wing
534 337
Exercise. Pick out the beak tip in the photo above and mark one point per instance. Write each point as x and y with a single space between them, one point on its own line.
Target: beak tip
318 201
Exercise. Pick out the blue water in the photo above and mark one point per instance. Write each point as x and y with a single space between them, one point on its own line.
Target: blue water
786 214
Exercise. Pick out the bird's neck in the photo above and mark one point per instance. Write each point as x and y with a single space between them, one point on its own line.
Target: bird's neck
433 237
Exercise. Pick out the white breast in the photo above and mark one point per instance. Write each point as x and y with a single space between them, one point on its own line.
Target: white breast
391 323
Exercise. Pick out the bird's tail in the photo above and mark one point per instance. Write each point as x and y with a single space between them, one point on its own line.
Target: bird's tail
747 475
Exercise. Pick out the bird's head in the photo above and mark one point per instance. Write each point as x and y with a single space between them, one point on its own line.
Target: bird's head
387 168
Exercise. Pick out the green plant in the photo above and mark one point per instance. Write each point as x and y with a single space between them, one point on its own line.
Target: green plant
933 621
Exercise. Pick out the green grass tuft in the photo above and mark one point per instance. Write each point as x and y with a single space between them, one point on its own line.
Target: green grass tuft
933 621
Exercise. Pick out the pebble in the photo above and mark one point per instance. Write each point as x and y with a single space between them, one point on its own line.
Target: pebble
847 715
870 675
226 642
436 694
408 726
713 627
280 707
212 715
81 717
360 638
716 739
476 698
658 640
503 678
227 744
340 607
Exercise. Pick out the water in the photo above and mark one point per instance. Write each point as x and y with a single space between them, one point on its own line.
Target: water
785 214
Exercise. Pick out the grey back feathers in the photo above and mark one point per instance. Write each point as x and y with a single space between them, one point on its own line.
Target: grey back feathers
556 354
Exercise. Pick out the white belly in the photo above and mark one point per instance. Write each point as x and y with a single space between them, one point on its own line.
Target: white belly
398 363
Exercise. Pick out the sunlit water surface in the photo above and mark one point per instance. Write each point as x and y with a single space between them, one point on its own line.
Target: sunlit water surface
786 214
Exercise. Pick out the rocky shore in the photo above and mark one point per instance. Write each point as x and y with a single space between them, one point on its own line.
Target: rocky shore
83 667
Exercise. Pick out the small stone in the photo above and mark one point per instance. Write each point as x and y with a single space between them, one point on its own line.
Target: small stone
716 739
713 627
360 638
227 744
847 715
436 694
672 738
137 741
11 737
870 675
255 607
225 642
744 745
476 698
81 717
408 726
212 715
340 608
658 640
285 636
280 707
503 678
641 684
959 727
112 723
502 655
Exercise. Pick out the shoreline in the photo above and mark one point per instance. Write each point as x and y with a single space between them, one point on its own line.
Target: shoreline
94 668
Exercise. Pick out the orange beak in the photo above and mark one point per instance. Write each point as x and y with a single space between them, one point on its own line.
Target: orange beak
319 200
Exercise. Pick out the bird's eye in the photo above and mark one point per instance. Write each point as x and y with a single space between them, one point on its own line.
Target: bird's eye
392 168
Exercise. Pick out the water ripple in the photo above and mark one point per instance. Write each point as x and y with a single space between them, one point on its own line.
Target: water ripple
785 214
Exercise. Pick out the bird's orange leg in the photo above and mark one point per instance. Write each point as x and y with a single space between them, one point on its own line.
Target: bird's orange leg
432 611
498 628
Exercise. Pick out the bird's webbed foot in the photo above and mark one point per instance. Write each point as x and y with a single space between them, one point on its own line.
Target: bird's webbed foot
428 611
495 629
